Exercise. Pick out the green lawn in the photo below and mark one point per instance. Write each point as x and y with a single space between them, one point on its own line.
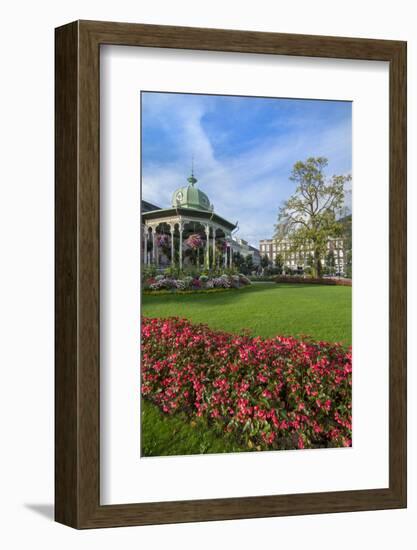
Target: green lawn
164 435
267 309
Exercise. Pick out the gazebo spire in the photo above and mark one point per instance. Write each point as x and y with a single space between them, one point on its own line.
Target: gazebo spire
192 180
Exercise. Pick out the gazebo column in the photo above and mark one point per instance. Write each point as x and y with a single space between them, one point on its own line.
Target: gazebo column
153 246
145 246
150 245
171 230
207 246
156 248
214 248
180 227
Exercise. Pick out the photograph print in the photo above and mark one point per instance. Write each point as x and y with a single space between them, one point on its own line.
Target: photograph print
246 274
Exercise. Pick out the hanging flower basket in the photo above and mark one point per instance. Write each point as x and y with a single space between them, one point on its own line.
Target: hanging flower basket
162 240
194 241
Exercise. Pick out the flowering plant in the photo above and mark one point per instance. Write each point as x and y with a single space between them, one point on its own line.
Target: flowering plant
276 393
148 282
160 292
194 241
162 240
203 282
165 284
221 282
188 281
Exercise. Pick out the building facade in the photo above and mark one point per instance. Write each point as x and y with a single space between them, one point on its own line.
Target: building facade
245 249
300 259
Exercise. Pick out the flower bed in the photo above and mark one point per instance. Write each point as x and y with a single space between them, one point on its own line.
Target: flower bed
277 393
311 280
189 283
262 278
149 292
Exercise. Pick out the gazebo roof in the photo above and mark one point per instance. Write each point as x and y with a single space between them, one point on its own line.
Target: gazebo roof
189 196
204 215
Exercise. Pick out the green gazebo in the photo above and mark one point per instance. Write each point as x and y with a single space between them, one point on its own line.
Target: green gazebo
190 223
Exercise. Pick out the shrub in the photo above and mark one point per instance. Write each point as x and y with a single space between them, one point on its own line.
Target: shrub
234 281
243 280
148 272
148 282
173 272
277 393
196 283
311 280
188 281
262 278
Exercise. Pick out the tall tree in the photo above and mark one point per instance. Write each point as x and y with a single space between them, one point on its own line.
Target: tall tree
309 217
238 260
279 263
348 266
330 262
265 261
249 263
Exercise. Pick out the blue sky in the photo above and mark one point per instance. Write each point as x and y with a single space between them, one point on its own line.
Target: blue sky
243 147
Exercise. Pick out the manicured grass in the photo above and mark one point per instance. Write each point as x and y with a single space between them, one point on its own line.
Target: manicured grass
266 309
164 435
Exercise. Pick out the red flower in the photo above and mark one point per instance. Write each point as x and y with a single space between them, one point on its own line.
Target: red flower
222 377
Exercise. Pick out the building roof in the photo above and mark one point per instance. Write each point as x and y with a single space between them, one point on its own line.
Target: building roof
148 206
